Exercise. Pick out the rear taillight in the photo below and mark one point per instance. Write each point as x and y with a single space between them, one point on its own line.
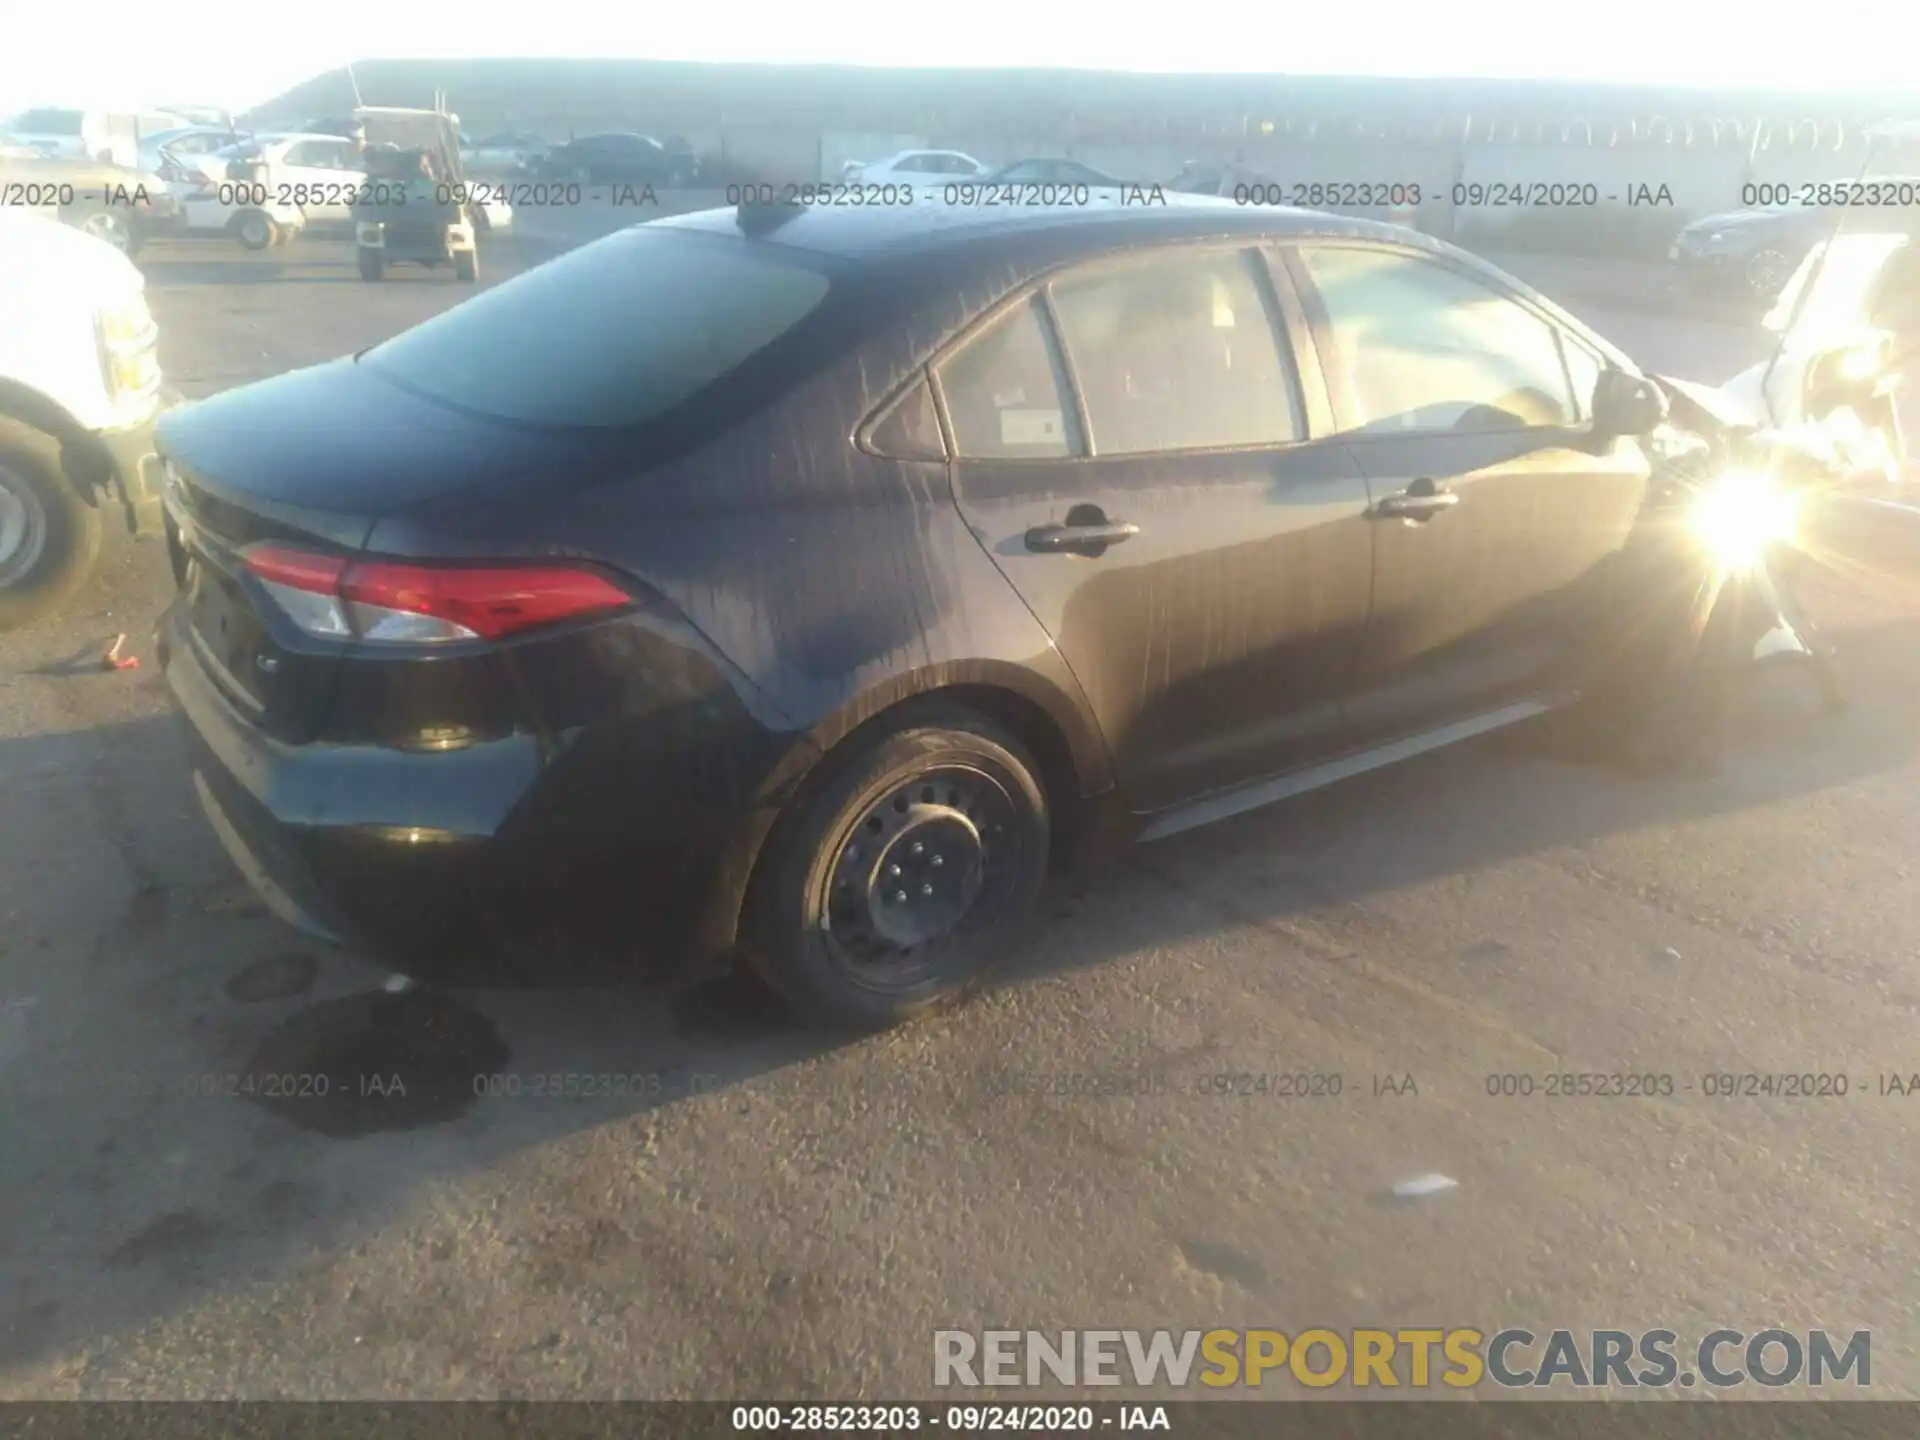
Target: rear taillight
332 598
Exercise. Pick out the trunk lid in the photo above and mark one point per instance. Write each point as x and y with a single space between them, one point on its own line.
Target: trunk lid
312 459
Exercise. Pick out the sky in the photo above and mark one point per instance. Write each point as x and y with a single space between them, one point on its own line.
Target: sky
123 54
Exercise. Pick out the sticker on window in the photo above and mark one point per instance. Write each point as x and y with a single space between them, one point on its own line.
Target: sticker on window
1032 427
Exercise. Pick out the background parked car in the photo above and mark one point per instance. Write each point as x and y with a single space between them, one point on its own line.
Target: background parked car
507 152
119 204
343 126
1752 251
211 116
183 144
1757 251
622 157
218 196
94 134
916 167
324 169
72 134
1053 172
1198 177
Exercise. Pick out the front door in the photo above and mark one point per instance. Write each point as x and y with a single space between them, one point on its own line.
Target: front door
1134 451
1497 519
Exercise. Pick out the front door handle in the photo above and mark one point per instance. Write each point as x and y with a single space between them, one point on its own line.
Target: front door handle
1421 500
1079 539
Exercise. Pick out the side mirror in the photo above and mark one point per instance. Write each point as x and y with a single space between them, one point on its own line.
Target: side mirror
1626 404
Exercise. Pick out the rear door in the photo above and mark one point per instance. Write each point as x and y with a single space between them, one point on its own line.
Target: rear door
1498 518
1135 448
324 175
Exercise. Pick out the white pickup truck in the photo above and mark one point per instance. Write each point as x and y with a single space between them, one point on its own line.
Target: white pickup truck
80 390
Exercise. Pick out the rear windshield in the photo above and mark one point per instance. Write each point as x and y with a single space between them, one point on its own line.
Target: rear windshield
610 335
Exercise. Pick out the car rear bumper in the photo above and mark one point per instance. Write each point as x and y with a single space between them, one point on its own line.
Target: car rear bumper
359 845
632 841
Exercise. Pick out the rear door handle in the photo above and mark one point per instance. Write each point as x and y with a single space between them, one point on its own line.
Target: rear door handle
1421 500
1074 539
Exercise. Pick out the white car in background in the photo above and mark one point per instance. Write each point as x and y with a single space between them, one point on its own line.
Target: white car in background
186 145
249 203
915 167
80 390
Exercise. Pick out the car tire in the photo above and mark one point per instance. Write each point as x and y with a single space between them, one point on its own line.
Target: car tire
1766 273
49 534
254 231
372 265
466 267
107 226
820 924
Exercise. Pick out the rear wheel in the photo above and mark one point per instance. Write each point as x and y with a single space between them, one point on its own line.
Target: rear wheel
372 266
255 231
892 886
49 535
466 267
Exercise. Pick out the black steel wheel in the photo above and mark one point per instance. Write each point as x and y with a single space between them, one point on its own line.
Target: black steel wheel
893 884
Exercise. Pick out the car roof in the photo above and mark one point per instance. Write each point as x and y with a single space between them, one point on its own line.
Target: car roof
903 154
914 234
179 131
858 233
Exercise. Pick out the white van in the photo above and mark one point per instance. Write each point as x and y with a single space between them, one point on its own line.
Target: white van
80 390
112 135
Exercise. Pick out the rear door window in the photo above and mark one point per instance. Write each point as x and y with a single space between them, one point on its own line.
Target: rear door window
1178 352
611 335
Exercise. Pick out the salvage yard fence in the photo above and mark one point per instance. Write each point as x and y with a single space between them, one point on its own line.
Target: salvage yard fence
1637 164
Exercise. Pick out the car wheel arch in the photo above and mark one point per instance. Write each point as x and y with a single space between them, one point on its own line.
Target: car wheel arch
1074 766
30 418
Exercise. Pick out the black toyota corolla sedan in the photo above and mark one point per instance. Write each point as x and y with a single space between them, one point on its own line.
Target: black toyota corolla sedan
796 585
